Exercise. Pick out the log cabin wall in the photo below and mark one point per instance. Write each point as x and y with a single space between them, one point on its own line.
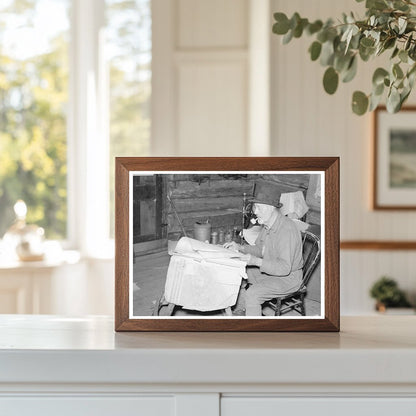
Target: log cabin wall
219 198
198 198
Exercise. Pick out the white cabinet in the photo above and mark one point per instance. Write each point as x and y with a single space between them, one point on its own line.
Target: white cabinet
88 406
324 406
79 366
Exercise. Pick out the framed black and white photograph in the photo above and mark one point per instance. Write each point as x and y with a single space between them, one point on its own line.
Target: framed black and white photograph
238 244
394 183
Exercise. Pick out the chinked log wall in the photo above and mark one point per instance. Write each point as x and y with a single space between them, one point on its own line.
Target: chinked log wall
219 199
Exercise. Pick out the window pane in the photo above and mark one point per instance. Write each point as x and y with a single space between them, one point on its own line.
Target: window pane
129 46
33 99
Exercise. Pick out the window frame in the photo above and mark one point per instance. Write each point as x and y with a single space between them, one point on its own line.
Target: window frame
87 128
87 133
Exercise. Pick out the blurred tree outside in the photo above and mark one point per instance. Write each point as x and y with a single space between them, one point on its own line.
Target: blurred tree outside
34 71
33 99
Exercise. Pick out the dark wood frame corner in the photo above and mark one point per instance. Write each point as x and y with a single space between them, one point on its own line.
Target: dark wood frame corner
375 205
329 165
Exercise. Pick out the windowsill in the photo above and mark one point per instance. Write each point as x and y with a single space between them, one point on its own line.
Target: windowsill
64 257
56 256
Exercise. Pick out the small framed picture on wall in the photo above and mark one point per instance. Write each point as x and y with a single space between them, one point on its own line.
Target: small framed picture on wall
394 149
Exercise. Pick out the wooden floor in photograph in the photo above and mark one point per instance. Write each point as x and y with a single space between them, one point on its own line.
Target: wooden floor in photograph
149 276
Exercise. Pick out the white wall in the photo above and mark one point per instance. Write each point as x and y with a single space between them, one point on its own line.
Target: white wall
200 77
308 122
210 65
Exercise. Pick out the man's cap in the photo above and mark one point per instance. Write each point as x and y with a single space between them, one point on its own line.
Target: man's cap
266 193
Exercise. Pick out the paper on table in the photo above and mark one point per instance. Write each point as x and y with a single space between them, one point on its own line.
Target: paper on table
186 244
203 277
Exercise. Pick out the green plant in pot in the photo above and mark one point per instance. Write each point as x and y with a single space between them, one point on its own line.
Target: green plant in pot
389 27
387 294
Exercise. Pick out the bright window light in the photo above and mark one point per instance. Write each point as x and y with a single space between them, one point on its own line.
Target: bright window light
75 88
33 102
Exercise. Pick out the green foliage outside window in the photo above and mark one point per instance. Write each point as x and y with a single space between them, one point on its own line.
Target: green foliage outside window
34 103
33 99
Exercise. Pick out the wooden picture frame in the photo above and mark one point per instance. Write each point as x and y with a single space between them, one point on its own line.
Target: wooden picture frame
394 158
280 171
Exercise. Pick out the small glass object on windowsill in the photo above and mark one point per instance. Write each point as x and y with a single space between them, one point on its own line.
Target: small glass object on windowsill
23 240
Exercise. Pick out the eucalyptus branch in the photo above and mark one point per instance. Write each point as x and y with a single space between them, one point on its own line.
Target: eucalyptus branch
389 25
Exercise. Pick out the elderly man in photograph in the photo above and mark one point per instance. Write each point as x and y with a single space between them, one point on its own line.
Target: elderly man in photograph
275 261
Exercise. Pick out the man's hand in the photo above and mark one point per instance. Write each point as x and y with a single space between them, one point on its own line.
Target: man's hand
232 245
251 260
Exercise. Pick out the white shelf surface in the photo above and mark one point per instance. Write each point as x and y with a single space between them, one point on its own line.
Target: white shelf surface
50 349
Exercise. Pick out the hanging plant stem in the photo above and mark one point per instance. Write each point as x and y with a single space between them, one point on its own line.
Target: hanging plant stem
388 26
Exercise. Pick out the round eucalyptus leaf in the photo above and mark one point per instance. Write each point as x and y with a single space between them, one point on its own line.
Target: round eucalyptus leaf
403 56
294 20
337 42
359 103
411 77
379 75
355 41
395 52
315 50
288 37
322 36
378 89
314 27
298 30
281 27
351 71
327 53
374 102
412 70
400 5
365 53
408 42
367 42
397 71
389 43
330 80
341 61
412 52
402 24
393 101
376 4
403 96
